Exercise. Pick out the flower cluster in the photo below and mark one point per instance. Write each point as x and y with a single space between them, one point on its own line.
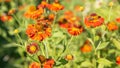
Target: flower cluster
71 22
42 28
45 18
38 31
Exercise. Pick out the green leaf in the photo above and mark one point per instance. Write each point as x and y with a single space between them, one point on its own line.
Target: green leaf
116 43
61 62
58 34
104 62
31 57
86 64
100 66
11 45
103 45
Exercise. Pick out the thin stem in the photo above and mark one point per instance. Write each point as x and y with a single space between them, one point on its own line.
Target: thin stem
69 43
46 49
20 39
109 16
97 47
16 19
54 19
42 51
91 42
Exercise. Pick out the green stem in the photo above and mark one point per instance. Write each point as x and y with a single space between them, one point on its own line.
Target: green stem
54 19
97 47
20 39
67 47
42 51
94 62
109 16
32 58
46 49
16 19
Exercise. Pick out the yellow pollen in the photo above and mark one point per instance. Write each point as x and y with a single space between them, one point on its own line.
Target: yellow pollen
32 48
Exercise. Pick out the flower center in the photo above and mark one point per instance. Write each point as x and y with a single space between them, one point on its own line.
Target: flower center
94 19
32 48
32 8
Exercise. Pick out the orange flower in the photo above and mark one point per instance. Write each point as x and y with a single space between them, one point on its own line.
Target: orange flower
46 19
118 19
51 17
63 23
75 30
41 58
49 63
68 19
79 8
93 20
43 4
69 57
112 26
5 1
55 7
12 11
32 48
38 31
86 47
33 13
5 18
118 60
35 65
21 7
68 15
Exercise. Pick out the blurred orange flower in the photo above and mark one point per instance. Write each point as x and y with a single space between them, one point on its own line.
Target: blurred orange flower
5 17
33 13
75 30
38 31
118 19
69 57
46 20
55 7
32 48
112 26
35 65
79 8
43 4
49 63
41 58
5 1
118 60
68 19
63 23
12 11
94 20
86 47
51 17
